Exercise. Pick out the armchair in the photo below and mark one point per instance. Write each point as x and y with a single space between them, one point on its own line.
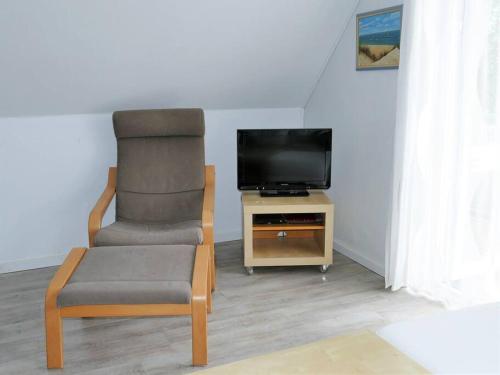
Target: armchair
164 192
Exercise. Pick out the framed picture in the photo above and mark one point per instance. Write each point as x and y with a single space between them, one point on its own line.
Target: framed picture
378 36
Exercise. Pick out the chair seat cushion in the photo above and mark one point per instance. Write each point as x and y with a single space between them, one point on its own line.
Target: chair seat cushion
124 233
159 274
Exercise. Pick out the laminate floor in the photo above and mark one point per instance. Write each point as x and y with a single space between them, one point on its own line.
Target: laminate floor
275 308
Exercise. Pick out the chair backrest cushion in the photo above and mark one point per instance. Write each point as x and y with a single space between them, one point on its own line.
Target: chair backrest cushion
161 164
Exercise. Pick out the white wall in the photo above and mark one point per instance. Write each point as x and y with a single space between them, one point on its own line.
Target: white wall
94 56
52 170
360 107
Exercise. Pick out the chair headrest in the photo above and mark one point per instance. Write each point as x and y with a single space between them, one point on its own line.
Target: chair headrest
179 122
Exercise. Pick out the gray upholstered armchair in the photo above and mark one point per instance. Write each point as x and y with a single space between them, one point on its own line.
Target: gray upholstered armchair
164 191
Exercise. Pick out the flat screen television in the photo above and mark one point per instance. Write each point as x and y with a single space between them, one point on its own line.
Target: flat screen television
284 161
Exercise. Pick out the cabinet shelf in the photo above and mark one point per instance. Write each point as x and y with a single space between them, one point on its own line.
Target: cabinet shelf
286 248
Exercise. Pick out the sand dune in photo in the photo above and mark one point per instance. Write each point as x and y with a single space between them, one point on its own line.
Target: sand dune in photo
391 59
378 55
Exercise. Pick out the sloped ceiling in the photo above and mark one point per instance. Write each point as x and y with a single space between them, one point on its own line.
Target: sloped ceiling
91 56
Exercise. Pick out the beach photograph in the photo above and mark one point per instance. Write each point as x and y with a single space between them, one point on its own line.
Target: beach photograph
378 39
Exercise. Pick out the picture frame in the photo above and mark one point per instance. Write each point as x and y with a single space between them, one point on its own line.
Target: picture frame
378 38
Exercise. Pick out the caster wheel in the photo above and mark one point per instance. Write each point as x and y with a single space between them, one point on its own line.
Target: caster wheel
249 270
323 268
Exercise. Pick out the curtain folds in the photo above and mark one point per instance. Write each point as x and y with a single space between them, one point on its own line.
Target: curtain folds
443 237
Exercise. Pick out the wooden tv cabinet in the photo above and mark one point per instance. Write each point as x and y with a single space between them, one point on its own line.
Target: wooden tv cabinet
282 244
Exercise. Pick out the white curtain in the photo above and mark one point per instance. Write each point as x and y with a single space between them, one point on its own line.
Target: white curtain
444 230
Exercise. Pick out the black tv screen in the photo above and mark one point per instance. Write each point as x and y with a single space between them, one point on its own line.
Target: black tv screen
284 159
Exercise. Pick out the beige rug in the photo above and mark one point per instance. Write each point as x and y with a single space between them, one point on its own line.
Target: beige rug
359 353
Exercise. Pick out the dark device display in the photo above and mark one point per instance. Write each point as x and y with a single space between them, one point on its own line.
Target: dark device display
284 162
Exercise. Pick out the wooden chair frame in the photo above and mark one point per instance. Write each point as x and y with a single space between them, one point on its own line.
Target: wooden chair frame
207 217
201 303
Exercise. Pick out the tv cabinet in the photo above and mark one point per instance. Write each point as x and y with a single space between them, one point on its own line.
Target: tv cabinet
287 244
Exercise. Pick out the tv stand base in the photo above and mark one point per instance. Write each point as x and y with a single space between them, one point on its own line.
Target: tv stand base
284 193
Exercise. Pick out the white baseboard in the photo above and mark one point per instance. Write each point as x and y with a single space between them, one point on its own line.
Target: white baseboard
342 248
54 260
228 236
29 264
339 246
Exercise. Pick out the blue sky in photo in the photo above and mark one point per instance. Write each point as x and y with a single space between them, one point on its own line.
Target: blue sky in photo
380 23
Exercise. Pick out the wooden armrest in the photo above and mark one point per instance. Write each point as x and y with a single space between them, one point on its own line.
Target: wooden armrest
200 274
207 216
97 213
62 276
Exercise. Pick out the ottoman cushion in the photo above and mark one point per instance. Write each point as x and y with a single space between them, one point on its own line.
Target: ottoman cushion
158 274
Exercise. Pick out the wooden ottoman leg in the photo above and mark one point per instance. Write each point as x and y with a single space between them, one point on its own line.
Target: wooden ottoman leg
54 338
53 321
200 288
199 318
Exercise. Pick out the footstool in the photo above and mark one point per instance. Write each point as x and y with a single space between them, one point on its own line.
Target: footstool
159 280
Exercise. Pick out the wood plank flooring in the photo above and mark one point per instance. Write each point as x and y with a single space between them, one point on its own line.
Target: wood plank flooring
275 308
